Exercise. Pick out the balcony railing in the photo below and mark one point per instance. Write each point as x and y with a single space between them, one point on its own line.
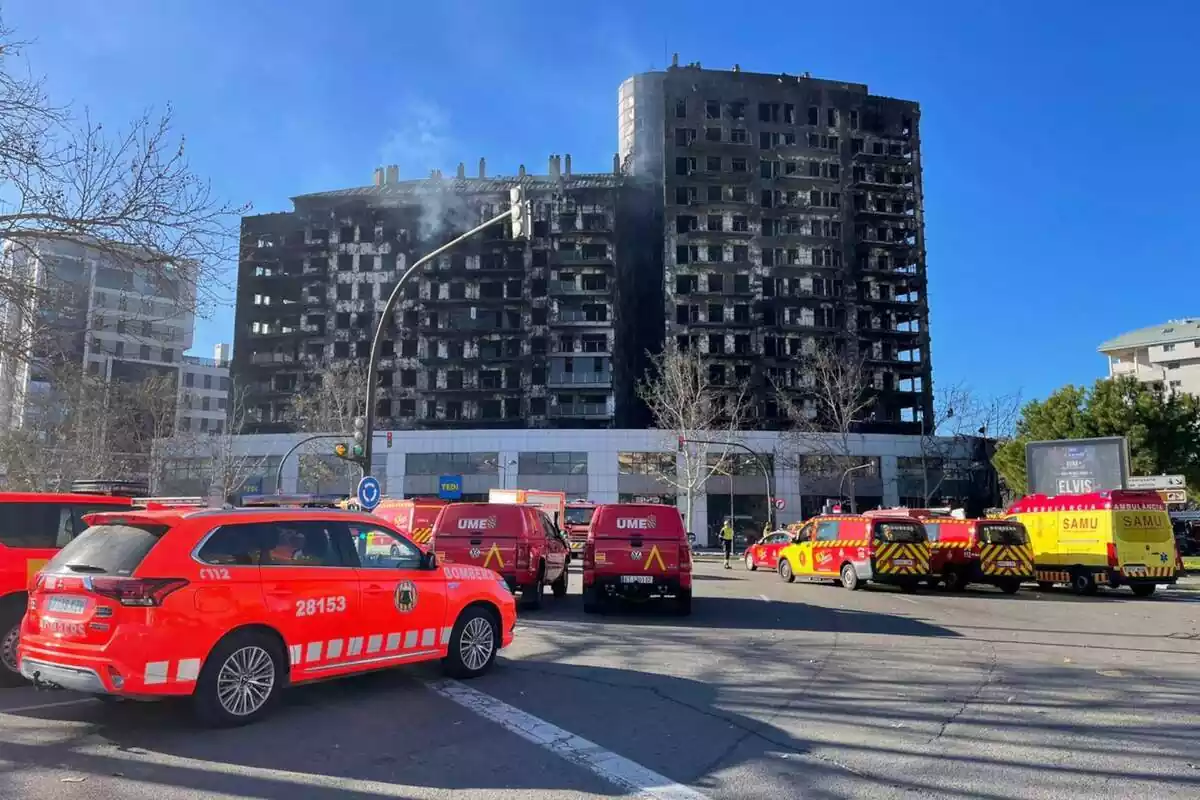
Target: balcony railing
580 378
570 287
580 410
577 315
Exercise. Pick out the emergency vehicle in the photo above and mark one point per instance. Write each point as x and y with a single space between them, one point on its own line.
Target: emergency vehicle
414 517
553 504
636 551
876 547
293 500
1111 538
576 522
765 552
33 527
966 551
228 606
517 541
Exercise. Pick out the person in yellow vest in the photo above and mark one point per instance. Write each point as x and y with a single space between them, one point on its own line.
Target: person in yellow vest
727 540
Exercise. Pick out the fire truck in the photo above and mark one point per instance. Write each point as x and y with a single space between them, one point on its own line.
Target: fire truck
554 504
577 521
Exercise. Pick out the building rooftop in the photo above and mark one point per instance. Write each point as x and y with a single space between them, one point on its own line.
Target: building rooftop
492 185
1177 330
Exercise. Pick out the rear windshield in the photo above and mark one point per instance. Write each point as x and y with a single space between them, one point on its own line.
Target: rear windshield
45 525
898 532
580 516
113 549
1002 533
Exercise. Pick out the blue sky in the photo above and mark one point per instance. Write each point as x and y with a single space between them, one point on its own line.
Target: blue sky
1062 171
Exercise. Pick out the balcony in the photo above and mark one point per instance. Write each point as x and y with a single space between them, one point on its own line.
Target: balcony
575 316
581 257
580 411
573 288
561 378
272 358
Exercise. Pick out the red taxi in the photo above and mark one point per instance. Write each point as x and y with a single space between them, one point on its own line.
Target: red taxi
765 552
33 527
229 606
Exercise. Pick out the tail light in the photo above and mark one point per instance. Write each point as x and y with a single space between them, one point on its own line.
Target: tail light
1112 554
135 591
522 556
589 555
685 557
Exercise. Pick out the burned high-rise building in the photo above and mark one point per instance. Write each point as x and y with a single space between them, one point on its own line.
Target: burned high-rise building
544 332
793 221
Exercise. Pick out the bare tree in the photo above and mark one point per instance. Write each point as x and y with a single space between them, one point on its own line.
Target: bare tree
961 415
215 460
329 407
689 407
826 398
130 194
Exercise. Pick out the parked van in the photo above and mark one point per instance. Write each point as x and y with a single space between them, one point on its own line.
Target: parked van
414 518
517 541
878 547
637 551
1112 538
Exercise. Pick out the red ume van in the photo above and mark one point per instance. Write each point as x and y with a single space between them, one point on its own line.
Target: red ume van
519 542
637 551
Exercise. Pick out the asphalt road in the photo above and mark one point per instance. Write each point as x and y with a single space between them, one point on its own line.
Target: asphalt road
767 691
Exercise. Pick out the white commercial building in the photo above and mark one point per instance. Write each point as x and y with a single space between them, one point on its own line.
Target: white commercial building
621 466
92 308
1167 355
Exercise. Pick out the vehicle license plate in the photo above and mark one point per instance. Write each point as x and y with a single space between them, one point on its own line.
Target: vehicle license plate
902 562
65 604
637 579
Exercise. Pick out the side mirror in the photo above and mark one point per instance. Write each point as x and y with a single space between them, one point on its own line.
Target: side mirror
429 560
691 538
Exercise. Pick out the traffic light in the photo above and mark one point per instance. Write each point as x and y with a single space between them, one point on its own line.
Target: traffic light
340 450
522 213
360 437
389 438
681 442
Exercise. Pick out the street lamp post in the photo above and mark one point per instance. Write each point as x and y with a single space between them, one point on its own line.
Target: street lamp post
519 213
842 483
761 465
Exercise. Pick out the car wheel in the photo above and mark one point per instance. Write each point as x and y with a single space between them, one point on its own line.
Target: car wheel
785 571
11 614
908 587
559 587
1045 586
590 603
531 595
954 580
240 680
750 565
1010 587
1083 582
474 642
1142 589
683 603
849 577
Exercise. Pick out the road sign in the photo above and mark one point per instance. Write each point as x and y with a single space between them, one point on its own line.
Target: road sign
1156 482
369 493
780 503
450 487
1173 495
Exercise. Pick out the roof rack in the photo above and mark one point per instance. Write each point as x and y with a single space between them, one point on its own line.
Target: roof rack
170 502
110 488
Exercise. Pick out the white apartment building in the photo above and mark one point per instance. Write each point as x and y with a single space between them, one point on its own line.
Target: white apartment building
101 313
204 393
1167 355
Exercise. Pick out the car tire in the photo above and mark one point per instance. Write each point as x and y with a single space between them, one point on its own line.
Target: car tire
750 565
850 577
559 587
250 658
11 614
474 643
683 603
1142 589
954 580
1010 587
531 594
909 587
1083 582
785 571
591 604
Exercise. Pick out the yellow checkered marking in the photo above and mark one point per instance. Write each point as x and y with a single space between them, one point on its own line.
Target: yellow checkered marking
917 553
422 535
1150 572
844 543
1021 555
1061 576
950 545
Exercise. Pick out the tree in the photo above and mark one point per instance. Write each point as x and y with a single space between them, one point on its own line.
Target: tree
961 415
690 408
215 458
130 194
834 401
1162 428
329 407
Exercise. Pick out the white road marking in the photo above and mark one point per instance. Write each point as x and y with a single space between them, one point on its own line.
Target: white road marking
764 598
906 599
40 706
613 768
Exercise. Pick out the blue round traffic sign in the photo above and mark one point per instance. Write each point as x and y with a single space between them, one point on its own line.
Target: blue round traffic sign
369 493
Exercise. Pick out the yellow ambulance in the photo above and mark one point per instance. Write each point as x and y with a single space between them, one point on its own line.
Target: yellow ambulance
1112 538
